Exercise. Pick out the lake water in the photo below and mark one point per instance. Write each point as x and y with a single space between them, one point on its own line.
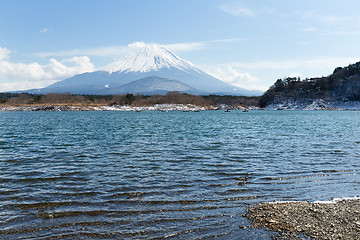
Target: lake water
176 175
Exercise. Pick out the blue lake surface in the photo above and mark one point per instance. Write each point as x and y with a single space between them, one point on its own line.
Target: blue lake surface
175 175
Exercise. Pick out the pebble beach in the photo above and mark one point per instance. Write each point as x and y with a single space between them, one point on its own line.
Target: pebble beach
303 220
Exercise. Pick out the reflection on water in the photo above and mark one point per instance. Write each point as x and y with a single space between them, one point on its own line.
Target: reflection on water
128 175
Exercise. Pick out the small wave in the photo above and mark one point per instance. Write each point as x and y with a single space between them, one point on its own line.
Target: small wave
336 200
333 201
43 179
45 205
326 173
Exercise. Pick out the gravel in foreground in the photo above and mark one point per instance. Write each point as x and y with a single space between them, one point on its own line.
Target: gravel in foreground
304 220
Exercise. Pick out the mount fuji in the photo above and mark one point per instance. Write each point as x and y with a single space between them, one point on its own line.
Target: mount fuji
147 69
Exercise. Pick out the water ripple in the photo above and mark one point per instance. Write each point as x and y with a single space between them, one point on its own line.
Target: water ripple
151 175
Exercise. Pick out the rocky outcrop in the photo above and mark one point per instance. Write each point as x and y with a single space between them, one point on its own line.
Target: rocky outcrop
340 90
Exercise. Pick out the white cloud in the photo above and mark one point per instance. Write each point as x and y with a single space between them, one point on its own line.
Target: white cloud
4 53
20 76
314 63
342 33
181 47
44 30
120 51
310 29
112 51
244 80
194 46
236 10
327 19
337 19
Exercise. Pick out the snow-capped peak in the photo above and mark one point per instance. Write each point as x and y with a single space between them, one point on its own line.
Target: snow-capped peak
144 57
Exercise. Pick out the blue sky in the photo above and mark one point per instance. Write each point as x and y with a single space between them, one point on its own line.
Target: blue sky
247 43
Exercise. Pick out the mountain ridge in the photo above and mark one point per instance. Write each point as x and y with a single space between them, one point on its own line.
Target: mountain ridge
147 57
144 60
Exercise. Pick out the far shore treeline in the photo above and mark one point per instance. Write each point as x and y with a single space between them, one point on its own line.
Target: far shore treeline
26 99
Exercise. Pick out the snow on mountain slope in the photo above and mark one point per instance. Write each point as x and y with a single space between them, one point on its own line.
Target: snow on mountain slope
152 85
142 61
147 57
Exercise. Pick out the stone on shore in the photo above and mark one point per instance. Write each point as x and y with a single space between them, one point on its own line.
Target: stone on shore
297 220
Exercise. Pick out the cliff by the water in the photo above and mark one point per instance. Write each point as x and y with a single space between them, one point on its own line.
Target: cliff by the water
340 90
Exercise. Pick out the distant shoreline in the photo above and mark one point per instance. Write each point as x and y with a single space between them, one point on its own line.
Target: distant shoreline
172 101
136 108
156 107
